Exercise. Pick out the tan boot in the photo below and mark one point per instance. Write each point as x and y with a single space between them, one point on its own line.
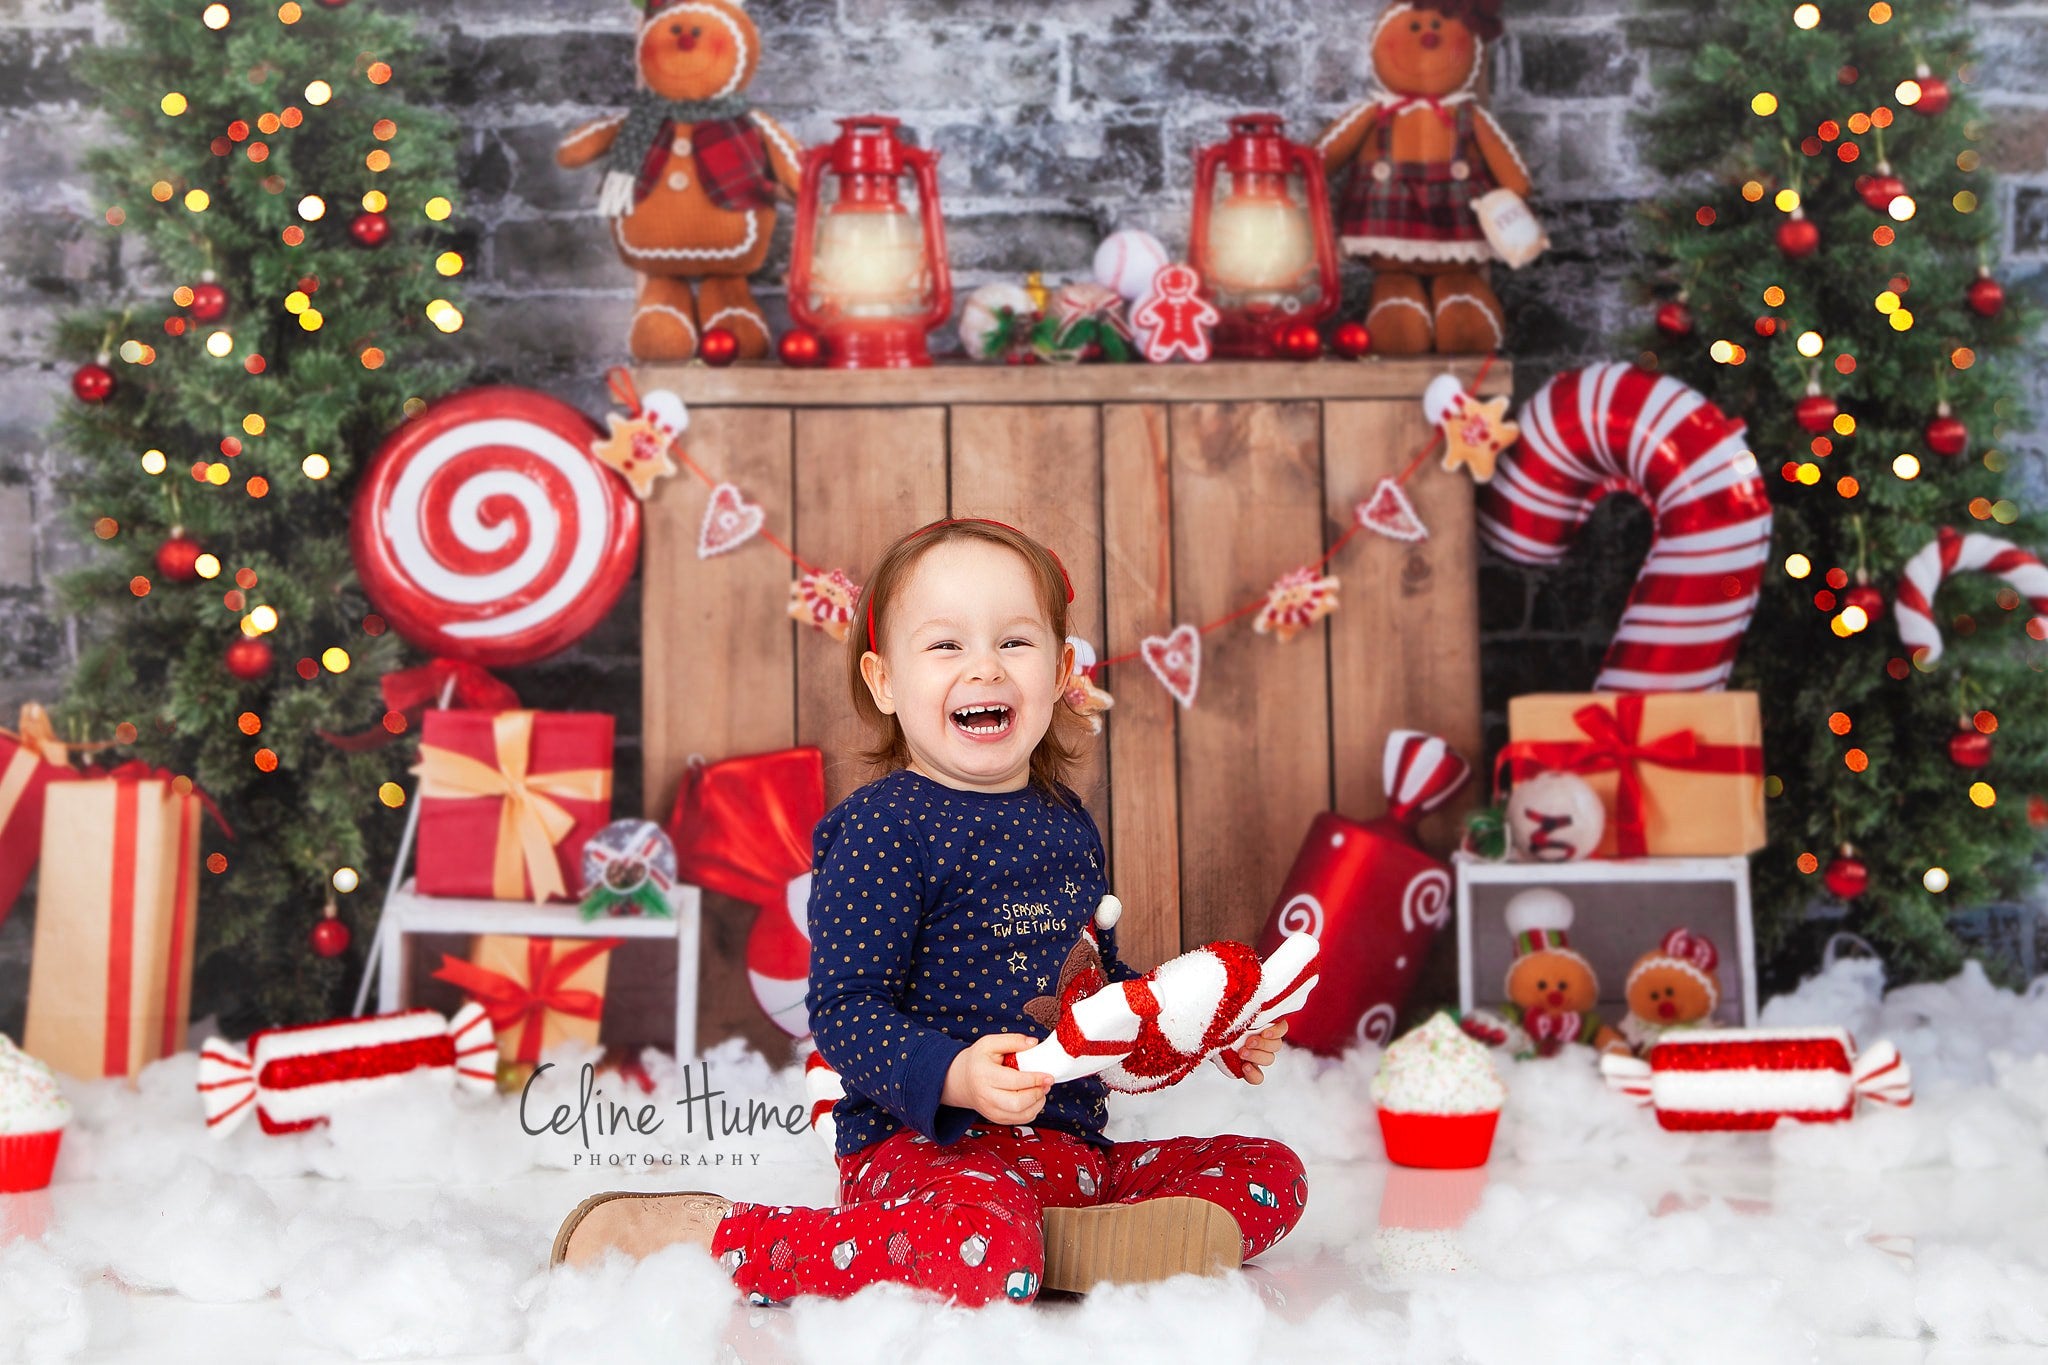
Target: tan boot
637 1224
1154 1239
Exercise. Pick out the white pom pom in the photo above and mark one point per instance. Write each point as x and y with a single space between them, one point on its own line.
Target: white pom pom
1108 913
1441 397
1540 908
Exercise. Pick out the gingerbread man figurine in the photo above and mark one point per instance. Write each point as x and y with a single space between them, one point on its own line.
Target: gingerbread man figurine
1175 317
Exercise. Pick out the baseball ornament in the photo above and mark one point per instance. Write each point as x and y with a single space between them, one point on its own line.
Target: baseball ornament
1952 552
1614 427
485 532
295 1078
1127 261
1555 817
629 867
1737 1080
1372 899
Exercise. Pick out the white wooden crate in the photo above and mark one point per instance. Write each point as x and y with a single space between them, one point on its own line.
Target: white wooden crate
1625 905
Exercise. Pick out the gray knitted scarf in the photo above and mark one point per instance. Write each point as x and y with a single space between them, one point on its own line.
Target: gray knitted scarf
650 111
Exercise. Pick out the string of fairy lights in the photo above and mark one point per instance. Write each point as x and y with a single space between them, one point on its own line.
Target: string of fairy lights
1854 608
202 317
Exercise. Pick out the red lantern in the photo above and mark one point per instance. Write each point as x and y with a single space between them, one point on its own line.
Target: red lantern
1262 236
864 275
1985 295
1847 875
1946 434
1674 319
1797 236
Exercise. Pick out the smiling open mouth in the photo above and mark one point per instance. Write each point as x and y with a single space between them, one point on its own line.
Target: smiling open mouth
983 722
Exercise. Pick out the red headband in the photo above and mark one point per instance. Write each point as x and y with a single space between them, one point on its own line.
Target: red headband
956 521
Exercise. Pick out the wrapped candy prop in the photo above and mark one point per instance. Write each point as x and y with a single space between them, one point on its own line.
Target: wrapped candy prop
1372 897
1748 1079
1615 428
629 867
742 827
1950 553
1149 1033
295 1078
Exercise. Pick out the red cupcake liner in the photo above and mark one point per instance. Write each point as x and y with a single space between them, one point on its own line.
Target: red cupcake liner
26 1160
1444 1142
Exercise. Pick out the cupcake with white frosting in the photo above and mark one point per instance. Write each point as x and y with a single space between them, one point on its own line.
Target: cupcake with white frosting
33 1113
1439 1097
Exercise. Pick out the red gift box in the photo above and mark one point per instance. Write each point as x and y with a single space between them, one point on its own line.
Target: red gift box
507 801
1372 898
30 761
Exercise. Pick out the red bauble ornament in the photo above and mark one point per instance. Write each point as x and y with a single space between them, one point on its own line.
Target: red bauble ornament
1879 190
330 937
209 302
1934 96
1351 340
1301 341
1846 875
719 347
1866 597
1946 434
1674 319
1815 413
1798 236
1969 747
1985 295
248 659
370 229
177 558
93 382
799 349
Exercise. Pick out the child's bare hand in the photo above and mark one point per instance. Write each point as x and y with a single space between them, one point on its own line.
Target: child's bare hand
1259 1049
978 1080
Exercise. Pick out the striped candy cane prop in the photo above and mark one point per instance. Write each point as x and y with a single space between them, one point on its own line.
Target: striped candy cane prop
1616 428
487 532
1951 552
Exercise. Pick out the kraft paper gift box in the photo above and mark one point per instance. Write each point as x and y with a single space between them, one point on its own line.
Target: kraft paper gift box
539 992
508 799
30 760
1681 773
110 982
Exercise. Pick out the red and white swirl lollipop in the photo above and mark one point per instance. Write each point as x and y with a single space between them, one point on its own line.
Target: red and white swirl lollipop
485 531
1616 428
1953 552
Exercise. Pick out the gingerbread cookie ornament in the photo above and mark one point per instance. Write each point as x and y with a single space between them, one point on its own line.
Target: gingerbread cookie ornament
1436 188
693 174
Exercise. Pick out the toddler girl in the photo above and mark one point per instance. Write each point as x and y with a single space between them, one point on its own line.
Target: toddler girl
947 895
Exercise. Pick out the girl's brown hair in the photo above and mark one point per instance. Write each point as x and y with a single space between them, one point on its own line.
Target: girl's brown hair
1059 752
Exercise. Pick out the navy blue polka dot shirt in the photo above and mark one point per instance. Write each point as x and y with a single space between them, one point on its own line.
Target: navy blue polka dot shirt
935 914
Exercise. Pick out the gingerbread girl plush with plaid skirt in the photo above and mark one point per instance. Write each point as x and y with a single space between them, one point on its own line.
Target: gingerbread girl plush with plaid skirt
692 178
1421 152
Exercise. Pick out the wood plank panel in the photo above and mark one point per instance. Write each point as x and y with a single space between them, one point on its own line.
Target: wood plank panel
1254 759
1143 726
719 679
1405 647
1040 470
769 384
863 478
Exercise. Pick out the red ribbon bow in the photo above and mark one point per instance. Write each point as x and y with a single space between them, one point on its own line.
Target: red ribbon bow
544 991
742 826
135 770
1614 743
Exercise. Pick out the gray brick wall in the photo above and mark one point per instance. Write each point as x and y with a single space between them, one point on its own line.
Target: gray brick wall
1058 121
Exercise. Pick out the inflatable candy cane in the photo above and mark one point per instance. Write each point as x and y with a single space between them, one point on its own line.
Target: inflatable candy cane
1614 427
1948 553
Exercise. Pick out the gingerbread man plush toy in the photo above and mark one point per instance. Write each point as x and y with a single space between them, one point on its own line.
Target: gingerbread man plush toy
1425 161
692 177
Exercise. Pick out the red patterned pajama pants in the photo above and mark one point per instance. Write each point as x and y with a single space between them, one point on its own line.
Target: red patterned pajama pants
965 1220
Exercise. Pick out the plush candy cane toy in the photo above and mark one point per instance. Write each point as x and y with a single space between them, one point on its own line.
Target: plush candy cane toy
1149 1033
1950 553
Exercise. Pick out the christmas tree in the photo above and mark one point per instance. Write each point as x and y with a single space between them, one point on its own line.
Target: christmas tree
1823 273
287 209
